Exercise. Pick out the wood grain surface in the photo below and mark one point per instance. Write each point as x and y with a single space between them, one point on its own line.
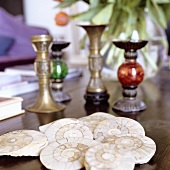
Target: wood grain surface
155 92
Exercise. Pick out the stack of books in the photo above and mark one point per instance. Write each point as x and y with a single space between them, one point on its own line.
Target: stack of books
28 70
22 79
10 106
15 84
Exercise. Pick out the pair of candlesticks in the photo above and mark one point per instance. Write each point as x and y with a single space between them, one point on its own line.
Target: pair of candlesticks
130 73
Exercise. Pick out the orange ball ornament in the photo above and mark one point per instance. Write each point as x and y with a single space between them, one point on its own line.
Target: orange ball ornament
61 18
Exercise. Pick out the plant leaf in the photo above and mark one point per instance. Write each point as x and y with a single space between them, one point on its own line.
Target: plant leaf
94 3
156 13
105 48
141 23
110 55
162 1
66 3
82 41
87 15
113 20
132 4
149 59
104 15
160 14
111 1
166 9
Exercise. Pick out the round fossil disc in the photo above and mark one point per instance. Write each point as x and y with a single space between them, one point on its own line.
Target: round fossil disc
61 130
67 155
22 143
141 147
117 126
104 156
102 114
43 128
93 120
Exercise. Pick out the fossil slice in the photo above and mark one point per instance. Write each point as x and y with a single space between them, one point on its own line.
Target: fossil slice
62 129
86 165
93 120
117 126
102 114
43 128
68 155
22 143
105 157
141 147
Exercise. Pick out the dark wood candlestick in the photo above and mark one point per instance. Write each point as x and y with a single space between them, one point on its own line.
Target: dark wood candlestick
130 75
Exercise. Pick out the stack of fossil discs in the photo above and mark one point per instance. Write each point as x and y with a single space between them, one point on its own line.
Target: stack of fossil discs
99 141
96 142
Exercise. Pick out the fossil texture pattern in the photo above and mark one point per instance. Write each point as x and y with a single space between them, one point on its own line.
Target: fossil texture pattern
22 143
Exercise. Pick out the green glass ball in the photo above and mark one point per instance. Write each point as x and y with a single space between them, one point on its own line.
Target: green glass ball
59 70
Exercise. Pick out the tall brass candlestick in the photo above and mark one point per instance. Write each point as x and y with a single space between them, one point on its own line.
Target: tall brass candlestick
45 102
96 92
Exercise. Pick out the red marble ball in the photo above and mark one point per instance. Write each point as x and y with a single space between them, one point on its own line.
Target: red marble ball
130 74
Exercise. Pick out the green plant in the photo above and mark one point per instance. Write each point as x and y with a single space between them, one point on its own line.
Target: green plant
123 16
130 14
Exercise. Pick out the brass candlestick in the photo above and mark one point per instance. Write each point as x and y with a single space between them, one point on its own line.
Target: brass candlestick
96 92
45 102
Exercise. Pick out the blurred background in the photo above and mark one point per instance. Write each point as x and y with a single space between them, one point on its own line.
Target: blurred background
41 13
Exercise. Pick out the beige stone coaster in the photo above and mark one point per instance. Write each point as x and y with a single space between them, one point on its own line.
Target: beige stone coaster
68 155
117 126
141 147
63 129
105 157
93 120
43 128
22 143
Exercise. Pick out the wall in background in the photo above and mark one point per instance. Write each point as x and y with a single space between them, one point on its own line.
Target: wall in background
42 12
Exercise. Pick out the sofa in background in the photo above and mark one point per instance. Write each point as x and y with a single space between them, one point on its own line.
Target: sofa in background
15 44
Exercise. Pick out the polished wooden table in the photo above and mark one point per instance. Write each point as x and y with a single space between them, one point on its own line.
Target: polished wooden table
155 92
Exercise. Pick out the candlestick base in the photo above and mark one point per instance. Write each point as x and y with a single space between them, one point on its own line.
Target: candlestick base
61 96
96 98
46 108
129 105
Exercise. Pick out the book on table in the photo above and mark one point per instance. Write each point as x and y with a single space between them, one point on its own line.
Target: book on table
28 70
10 106
7 78
15 84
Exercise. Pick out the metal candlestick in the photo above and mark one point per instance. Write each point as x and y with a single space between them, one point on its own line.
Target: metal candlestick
130 74
45 102
59 71
96 92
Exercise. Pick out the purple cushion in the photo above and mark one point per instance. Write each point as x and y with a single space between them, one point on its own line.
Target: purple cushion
5 44
14 27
